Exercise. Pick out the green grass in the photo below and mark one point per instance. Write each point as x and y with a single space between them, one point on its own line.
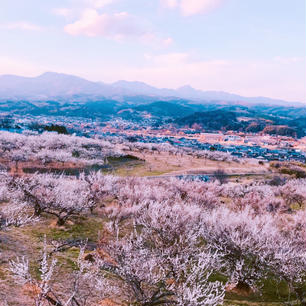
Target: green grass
270 292
137 170
83 228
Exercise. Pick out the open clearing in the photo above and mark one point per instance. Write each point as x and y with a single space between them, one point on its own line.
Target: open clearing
164 163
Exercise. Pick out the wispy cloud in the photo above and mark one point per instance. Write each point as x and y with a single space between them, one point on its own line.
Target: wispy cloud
91 18
192 7
20 25
83 5
116 26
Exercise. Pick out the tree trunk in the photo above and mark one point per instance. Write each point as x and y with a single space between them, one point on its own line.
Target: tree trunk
37 210
61 221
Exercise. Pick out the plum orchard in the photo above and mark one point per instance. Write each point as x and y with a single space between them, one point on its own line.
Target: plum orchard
165 241
50 147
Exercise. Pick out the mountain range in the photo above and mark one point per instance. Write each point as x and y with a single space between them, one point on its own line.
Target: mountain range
57 86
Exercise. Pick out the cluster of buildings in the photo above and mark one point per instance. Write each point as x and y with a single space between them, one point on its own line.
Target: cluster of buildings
262 147
239 150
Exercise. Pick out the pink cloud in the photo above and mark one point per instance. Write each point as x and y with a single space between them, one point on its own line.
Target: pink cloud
118 26
192 7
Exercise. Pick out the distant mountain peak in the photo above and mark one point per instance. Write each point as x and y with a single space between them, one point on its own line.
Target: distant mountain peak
55 76
49 73
130 82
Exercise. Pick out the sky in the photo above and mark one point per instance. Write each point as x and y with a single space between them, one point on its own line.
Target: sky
247 47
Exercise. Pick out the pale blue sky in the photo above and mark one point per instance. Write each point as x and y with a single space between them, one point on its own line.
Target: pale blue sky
248 47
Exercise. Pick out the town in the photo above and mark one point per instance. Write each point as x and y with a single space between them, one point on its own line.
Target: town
242 145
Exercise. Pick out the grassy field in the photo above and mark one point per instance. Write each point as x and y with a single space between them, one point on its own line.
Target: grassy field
164 163
144 164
